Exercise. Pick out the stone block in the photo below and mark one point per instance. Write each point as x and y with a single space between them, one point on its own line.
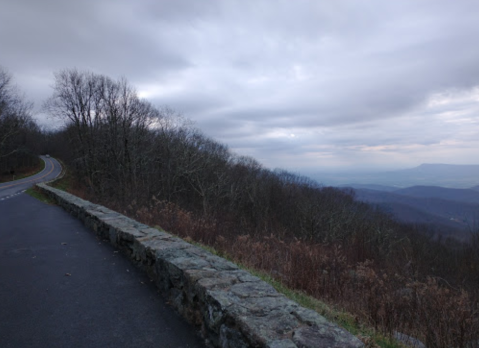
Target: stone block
233 308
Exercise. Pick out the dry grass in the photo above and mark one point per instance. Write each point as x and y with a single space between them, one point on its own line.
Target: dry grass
386 299
431 310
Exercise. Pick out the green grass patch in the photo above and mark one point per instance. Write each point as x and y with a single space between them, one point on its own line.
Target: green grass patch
35 192
65 183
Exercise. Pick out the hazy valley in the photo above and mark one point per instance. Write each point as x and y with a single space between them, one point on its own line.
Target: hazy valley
445 197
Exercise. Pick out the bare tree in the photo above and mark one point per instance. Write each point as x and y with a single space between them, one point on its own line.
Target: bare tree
112 128
15 120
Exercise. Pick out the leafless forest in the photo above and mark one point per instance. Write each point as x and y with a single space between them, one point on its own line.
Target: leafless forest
153 165
20 137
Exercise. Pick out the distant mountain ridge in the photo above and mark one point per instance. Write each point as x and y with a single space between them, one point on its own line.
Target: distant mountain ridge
375 187
444 175
444 196
448 175
451 212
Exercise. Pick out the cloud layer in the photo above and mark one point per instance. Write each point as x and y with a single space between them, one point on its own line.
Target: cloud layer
299 85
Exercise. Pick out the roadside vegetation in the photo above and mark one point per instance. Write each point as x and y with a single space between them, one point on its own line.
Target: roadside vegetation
20 136
36 193
35 165
153 165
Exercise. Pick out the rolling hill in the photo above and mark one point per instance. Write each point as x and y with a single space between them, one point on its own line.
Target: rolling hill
457 195
451 212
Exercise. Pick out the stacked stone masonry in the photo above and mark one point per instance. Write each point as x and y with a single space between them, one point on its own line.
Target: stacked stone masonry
231 307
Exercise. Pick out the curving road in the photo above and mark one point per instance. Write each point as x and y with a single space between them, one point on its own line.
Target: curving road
62 287
12 188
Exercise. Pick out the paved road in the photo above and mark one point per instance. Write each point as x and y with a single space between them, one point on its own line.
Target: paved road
12 188
61 287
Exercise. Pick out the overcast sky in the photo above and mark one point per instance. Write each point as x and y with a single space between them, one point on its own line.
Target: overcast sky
301 85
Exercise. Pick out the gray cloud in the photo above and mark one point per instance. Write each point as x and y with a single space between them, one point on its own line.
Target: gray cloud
296 84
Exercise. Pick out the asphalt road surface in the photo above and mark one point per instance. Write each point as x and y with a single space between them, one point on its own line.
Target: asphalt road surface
12 188
62 287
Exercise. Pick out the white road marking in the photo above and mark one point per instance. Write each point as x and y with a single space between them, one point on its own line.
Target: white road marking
11 196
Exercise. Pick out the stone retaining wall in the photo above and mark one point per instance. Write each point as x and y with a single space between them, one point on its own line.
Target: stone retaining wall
232 308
